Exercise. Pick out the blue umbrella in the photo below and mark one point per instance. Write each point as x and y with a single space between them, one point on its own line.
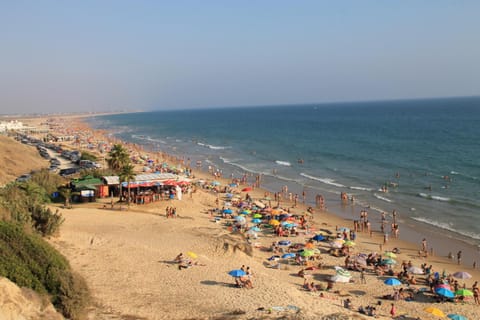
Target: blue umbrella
228 211
256 220
288 255
229 195
284 242
237 273
318 237
288 225
445 292
392 282
255 228
454 316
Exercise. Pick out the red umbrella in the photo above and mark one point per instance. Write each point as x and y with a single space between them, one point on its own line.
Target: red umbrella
247 189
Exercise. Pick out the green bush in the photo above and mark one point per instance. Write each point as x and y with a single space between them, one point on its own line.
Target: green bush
30 261
88 156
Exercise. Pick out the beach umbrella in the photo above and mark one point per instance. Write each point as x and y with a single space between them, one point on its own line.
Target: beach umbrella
309 245
336 244
307 253
288 255
233 185
257 215
388 261
392 282
462 275
349 243
454 316
318 237
464 292
240 219
215 183
229 195
237 273
361 261
289 225
443 285
255 228
192 255
415 270
390 254
340 278
247 189
444 292
284 242
256 220
435 312
227 211
273 222
344 273
259 204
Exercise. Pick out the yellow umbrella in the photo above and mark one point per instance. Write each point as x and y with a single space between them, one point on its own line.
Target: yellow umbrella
349 243
192 255
435 312
390 254
274 222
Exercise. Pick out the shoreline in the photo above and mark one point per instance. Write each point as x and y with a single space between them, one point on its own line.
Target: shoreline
414 233
443 241
206 231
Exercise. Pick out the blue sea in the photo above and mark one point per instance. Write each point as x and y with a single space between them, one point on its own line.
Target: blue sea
426 152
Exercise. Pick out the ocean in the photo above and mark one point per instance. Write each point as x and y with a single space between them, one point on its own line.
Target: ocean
426 152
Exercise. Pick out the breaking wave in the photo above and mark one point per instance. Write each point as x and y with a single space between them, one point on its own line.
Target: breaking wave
323 180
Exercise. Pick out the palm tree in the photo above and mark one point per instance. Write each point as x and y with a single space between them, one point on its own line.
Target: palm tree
127 174
118 157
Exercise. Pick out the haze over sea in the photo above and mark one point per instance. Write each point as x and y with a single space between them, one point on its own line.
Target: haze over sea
426 152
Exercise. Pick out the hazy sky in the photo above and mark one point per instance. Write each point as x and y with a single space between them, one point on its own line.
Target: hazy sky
102 55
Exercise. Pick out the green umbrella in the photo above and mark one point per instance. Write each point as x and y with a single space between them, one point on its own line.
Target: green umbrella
257 215
464 292
307 253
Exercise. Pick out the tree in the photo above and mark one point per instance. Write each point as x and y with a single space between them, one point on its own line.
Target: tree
118 157
127 174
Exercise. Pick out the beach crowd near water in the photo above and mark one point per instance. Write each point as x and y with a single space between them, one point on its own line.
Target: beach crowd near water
343 266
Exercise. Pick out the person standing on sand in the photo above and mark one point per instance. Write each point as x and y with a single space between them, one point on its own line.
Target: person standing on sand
393 310
459 257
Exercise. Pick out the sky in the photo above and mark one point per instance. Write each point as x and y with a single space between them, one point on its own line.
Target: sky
110 55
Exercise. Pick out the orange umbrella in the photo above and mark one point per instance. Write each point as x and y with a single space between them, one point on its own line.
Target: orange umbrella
309 245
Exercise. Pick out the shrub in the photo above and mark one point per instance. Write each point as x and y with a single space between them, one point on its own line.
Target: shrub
31 262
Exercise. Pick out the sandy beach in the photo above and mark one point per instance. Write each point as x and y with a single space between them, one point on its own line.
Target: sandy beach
127 259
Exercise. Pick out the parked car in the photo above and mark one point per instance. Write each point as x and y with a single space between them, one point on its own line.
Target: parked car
24 178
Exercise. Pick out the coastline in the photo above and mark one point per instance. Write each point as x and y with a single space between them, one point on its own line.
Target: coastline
330 219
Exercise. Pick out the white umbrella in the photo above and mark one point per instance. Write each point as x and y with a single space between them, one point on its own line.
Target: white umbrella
340 278
415 270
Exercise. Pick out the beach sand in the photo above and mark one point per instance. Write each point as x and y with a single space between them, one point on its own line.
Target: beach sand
127 259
